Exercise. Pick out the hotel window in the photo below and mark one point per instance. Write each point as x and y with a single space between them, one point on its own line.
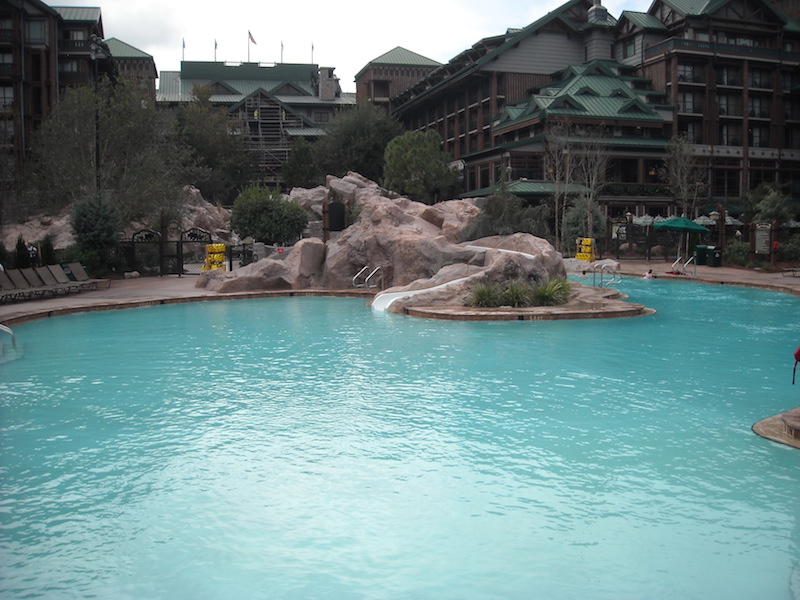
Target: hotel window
758 107
759 137
730 135
35 31
685 72
685 102
630 47
759 78
6 97
693 132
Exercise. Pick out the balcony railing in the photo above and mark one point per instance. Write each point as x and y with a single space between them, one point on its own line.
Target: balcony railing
717 48
74 46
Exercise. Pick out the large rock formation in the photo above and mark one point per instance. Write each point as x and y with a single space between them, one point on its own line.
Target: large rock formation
416 246
195 212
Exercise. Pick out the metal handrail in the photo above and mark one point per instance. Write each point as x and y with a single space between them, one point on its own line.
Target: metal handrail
692 262
357 275
616 276
11 333
371 275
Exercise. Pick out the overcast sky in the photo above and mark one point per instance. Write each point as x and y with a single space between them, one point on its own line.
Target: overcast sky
346 34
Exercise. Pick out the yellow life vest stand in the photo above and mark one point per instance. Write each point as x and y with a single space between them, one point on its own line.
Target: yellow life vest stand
587 249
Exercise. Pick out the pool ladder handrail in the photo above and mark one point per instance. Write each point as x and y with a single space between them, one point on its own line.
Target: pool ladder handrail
11 333
367 280
356 284
377 271
680 267
616 276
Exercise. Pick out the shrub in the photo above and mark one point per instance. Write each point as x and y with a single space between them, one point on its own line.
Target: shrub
737 253
22 260
266 216
485 295
552 292
95 222
520 294
48 252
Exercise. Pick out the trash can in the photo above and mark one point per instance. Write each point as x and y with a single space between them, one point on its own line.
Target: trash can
700 254
714 256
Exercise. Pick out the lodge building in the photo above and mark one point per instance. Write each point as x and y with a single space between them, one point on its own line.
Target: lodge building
725 73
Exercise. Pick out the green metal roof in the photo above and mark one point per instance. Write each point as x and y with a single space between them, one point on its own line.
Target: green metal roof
79 13
401 56
643 20
120 49
706 7
593 91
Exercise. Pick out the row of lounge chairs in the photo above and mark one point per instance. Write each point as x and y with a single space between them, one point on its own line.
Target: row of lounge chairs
46 282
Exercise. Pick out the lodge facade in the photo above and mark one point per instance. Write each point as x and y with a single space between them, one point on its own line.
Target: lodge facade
726 75
43 51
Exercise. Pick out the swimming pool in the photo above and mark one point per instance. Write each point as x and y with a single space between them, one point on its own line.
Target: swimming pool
311 447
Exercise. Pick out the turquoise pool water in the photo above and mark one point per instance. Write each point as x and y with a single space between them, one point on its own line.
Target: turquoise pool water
312 448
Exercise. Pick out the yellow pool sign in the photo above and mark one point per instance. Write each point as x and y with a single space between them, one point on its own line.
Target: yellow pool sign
587 249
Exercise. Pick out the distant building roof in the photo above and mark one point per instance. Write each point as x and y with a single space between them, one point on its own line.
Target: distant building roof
399 56
120 49
79 13
643 20
289 84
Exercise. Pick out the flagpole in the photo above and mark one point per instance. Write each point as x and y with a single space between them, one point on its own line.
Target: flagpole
215 50
183 49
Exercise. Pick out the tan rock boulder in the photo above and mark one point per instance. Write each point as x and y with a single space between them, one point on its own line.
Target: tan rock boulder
298 270
310 201
406 239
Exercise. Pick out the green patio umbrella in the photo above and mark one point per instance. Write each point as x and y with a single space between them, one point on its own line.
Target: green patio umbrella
681 225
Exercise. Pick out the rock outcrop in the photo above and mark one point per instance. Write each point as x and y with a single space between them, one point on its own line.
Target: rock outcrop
416 247
196 212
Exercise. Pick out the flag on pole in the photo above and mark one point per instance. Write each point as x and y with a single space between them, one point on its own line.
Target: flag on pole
250 37
215 44
183 42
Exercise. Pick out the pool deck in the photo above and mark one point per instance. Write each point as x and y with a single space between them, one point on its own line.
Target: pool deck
150 291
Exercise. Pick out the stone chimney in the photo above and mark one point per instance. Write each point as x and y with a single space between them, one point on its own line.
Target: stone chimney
329 88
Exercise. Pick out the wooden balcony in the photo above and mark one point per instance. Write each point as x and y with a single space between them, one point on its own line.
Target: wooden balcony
715 49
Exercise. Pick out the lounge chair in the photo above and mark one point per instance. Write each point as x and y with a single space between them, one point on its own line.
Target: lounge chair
8 291
36 283
83 278
61 276
47 277
26 289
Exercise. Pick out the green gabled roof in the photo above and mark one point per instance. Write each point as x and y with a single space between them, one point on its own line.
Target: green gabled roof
585 95
643 20
707 7
79 13
399 56
688 7
120 49
403 57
